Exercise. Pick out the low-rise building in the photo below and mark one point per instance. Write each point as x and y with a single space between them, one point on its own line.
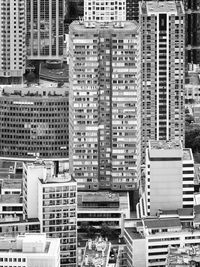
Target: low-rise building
30 250
97 208
147 242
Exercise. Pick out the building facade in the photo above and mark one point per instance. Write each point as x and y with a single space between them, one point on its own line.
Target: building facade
163 67
105 10
104 105
12 41
34 122
44 29
169 175
56 209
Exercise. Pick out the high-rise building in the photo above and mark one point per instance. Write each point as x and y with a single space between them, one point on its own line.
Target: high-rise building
104 105
56 208
169 175
12 41
163 71
105 10
132 10
30 250
192 14
44 29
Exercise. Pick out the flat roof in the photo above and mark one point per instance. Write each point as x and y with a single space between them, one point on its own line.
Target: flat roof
44 89
187 154
100 197
162 223
163 144
11 184
54 74
159 7
10 199
93 26
132 231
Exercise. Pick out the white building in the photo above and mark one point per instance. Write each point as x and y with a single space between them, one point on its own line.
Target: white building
105 10
53 200
12 41
148 241
30 250
169 175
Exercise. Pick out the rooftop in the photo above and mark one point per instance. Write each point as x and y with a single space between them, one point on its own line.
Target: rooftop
52 73
103 26
97 253
163 144
100 197
187 154
44 89
183 256
29 243
132 231
11 184
154 7
10 199
162 223
193 78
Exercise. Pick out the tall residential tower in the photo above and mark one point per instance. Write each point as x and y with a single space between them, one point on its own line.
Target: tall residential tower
104 104
12 41
163 67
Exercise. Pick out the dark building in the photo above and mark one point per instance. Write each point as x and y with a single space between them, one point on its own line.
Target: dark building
132 10
192 11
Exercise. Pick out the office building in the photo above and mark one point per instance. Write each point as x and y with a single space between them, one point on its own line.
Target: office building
12 41
97 208
169 175
30 250
34 122
163 71
148 241
105 10
44 29
104 105
56 209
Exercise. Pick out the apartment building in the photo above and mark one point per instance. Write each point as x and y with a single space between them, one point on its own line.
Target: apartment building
12 41
169 174
34 121
44 29
105 10
147 243
56 209
163 67
30 250
104 109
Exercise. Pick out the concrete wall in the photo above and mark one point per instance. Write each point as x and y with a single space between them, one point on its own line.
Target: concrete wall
165 185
